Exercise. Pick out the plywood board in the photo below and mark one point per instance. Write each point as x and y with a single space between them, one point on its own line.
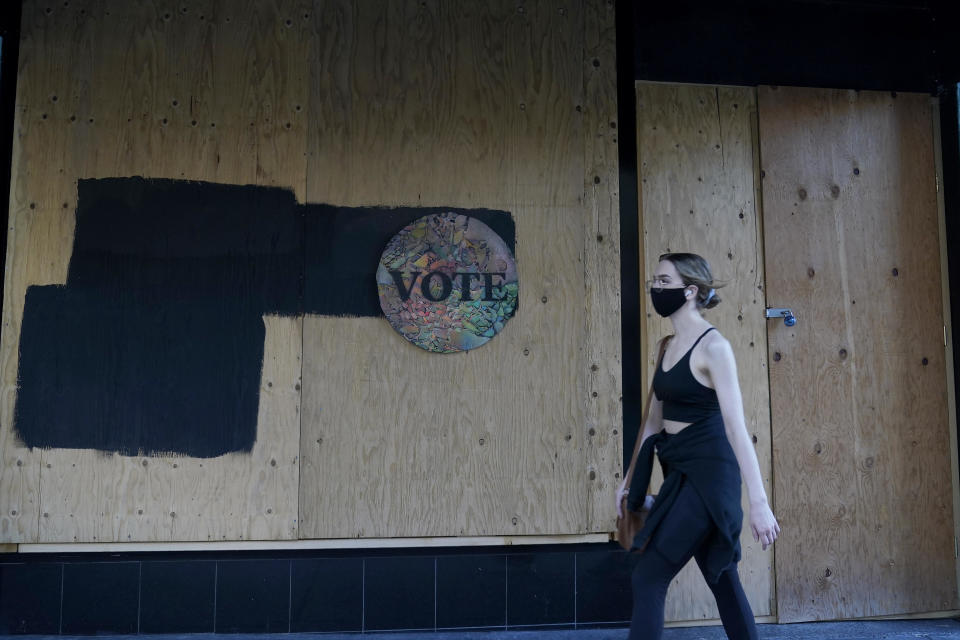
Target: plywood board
697 176
394 104
474 107
604 410
199 91
858 386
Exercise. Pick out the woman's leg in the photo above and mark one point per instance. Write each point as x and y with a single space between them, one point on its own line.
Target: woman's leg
735 611
650 579
681 532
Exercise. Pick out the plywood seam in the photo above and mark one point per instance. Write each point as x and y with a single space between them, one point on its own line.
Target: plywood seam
600 370
641 247
308 128
586 130
761 251
39 497
302 331
716 98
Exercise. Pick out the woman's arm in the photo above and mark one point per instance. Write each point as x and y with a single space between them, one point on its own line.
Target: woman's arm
652 425
722 369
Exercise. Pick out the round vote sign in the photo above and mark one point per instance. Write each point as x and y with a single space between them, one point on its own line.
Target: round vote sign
447 282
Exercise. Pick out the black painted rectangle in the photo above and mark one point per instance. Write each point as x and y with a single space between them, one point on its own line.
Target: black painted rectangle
604 591
471 591
399 593
100 598
30 598
326 594
540 589
343 248
155 343
135 378
177 596
253 596
189 240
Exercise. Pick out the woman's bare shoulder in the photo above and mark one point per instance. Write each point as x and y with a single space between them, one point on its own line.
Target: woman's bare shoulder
716 346
714 337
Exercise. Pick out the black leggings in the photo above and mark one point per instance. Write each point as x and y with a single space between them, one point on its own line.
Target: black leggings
689 523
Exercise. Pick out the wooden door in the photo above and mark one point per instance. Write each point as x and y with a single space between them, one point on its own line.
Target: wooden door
861 436
696 147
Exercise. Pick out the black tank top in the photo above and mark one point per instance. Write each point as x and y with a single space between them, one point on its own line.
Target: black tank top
684 398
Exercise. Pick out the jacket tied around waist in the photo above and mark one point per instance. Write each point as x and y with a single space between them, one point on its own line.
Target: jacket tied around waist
700 453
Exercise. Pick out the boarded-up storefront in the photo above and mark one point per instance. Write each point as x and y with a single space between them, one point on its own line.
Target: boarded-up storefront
202 396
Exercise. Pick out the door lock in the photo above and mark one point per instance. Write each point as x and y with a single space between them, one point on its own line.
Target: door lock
788 318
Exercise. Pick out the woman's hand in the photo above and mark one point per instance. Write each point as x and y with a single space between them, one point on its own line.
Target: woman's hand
763 524
622 490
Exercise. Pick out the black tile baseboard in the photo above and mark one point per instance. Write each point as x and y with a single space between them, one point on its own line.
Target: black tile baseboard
471 591
253 596
340 591
399 593
541 589
326 595
30 598
604 591
100 598
177 596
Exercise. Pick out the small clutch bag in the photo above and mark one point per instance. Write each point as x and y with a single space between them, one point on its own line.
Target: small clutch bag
629 524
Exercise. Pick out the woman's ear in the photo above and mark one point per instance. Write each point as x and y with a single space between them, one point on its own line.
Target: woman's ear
691 291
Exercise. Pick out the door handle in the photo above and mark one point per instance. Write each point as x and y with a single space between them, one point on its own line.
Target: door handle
788 318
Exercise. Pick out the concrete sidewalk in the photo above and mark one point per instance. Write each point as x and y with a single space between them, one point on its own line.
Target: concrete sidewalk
939 629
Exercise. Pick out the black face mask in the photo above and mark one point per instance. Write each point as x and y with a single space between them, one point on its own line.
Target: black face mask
667 301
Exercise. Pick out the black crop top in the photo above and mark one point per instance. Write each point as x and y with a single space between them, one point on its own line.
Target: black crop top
684 398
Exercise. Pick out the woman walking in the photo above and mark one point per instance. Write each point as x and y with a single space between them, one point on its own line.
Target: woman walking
696 424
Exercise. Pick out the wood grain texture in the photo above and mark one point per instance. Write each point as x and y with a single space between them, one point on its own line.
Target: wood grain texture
200 91
416 103
466 105
697 174
386 463
858 393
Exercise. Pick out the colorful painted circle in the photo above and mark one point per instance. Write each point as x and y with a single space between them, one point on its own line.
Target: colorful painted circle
447 282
